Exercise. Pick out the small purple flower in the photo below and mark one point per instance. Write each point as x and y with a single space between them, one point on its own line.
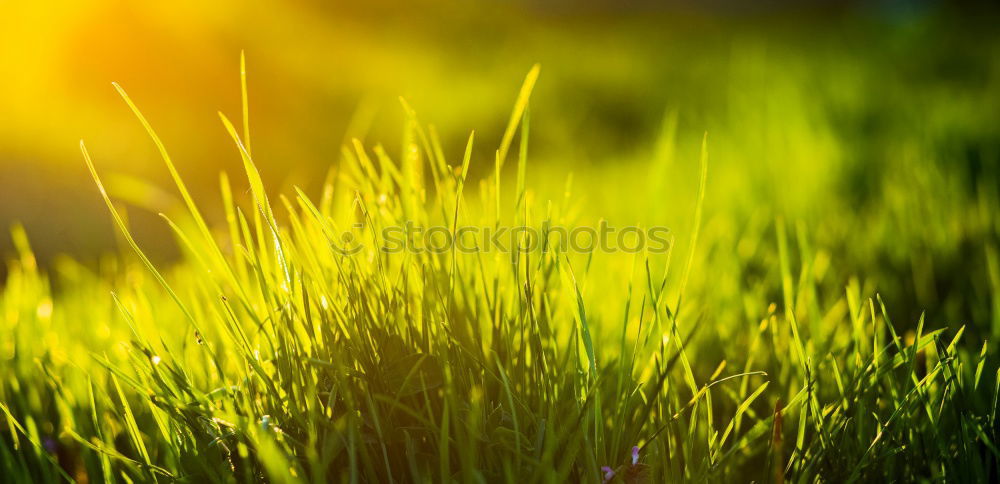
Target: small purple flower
50 445
631 471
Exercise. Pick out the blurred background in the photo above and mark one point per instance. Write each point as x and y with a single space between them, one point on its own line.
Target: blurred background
888 111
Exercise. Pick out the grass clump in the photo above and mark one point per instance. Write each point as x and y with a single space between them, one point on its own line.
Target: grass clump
268 353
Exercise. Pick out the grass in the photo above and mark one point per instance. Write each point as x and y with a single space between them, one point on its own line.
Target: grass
267 354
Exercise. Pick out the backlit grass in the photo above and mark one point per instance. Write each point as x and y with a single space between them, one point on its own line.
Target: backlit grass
746 353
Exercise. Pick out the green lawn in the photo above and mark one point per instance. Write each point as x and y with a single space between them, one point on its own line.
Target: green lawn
828 308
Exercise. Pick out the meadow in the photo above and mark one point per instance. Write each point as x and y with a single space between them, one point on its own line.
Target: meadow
826 309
